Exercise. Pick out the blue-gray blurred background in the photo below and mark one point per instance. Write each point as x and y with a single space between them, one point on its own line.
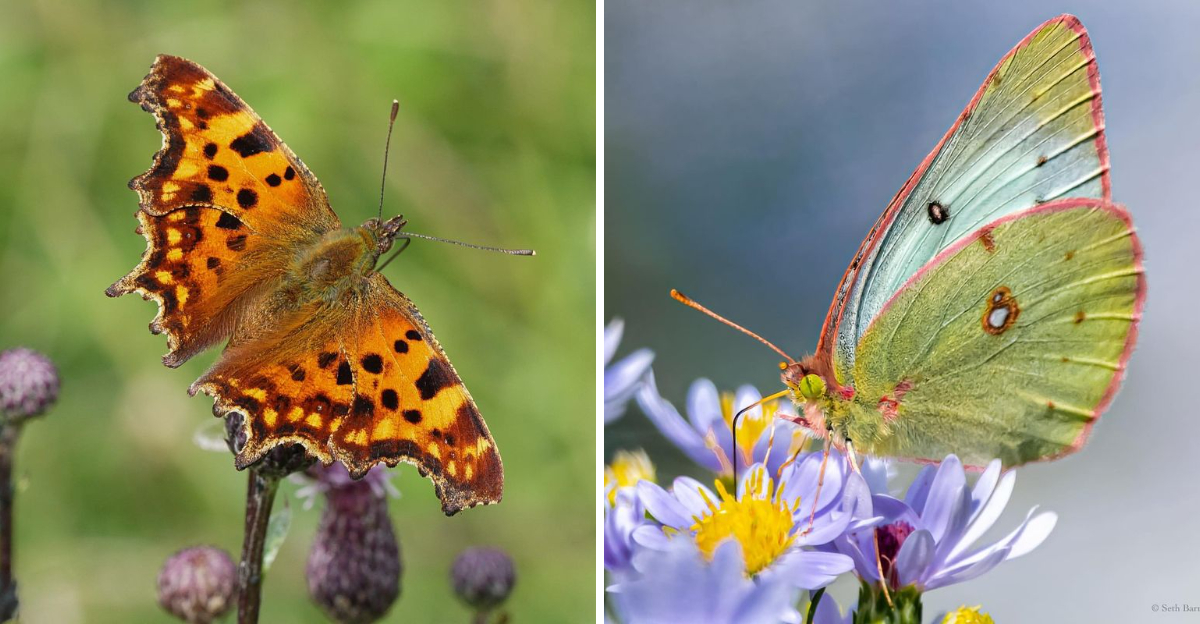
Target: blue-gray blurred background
750 145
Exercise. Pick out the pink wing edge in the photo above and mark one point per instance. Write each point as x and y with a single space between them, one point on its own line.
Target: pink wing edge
1138 303
824 351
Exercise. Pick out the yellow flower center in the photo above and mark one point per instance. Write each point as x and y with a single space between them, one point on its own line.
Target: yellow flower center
761 522
626 469
750 426
968 615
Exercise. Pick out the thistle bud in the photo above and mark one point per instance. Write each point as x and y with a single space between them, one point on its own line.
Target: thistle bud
483 577
197 584
28 384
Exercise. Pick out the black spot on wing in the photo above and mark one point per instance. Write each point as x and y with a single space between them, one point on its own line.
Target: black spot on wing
254 142
390 399
247 198
343 374
202 194
436 376
373 363
228 221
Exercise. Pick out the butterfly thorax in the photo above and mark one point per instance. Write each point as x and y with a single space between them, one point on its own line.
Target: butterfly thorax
821 400
339 263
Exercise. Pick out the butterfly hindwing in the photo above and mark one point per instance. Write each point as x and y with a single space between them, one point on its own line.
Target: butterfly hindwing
1034 132
362 381
411 404
1009 344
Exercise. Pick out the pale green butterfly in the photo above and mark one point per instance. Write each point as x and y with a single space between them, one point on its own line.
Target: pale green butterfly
992 309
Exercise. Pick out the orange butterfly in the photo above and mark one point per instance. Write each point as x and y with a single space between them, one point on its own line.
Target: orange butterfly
322 350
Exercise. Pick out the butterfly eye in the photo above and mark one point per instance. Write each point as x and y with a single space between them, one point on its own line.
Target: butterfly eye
783 366
812 387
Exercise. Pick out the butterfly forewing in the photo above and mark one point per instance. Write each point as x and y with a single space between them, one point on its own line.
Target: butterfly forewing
1033 133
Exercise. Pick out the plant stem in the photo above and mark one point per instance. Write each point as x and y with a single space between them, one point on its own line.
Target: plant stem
260 497
8 586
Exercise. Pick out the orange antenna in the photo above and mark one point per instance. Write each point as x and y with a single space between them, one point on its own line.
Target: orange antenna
687 301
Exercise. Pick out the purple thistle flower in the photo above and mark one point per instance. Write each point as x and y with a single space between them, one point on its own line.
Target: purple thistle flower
354 565
28 384
623 379
707 434
925 540
483 578
197 584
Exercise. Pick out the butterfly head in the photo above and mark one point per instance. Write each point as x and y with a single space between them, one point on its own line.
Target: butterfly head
806 385
384 232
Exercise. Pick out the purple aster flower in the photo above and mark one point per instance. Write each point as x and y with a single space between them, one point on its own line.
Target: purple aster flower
683 584
623 511
707 434
761 520
827 612
623 379
926 539
842 499
622 517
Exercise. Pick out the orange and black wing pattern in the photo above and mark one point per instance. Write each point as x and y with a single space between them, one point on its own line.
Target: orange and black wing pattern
222 206
362 382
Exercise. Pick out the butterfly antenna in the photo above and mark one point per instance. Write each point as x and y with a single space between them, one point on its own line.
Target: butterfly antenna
511 252
689 302
387 146
738 415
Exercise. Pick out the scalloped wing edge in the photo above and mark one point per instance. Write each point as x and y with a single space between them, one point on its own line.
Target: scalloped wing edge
453 499
128 284
172 144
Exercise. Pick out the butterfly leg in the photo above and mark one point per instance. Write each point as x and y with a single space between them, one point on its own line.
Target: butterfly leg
406 240
875 531
812 516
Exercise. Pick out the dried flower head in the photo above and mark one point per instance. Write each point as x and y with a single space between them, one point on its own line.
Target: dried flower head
197 584
28 384
483 577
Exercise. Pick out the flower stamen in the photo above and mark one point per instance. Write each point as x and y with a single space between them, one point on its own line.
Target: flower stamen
760 521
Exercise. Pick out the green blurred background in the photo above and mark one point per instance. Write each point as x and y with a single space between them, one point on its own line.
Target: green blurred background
494 144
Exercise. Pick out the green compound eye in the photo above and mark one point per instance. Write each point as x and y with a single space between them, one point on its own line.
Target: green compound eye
812 387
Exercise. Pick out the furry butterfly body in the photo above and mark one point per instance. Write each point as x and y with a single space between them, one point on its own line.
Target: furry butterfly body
322 351
992 309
